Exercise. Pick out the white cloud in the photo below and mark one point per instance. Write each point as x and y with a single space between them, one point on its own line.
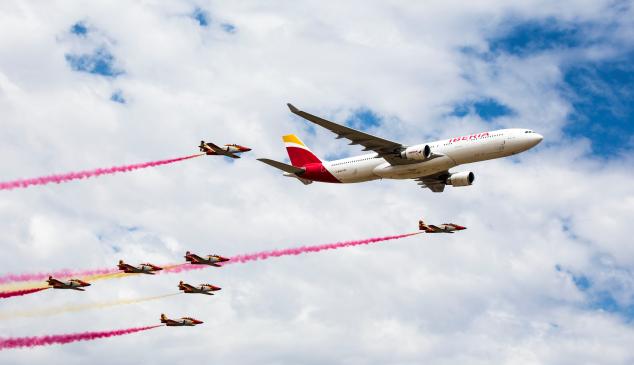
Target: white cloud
488 294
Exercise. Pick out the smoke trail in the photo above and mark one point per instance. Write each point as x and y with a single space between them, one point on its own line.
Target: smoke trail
93 274
79 307
15 293
97 274
239 259
86 174
16 342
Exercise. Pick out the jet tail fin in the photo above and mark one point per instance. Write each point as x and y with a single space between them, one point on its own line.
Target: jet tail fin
282 166
298 153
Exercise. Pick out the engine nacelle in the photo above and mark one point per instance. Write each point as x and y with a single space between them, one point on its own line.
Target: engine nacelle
464 178
417 152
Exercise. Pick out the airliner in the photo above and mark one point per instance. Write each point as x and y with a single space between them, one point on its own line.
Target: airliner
426 163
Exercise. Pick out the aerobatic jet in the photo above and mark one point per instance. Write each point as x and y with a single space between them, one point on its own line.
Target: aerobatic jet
184 321
443 228
206 289
212 260
74 284
229 150
140 269
427 163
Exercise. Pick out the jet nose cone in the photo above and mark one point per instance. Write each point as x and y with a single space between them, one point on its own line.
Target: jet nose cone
539 137
533 139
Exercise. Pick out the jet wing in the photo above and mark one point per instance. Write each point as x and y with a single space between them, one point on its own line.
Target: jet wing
435 182
196 258
189 287
131 268
390 151
55 282
221 151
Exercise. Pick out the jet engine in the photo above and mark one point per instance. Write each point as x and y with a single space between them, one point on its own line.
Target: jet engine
464 178
417 152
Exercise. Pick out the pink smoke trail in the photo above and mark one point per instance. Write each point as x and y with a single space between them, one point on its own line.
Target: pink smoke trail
239 259
15 293
86 174
175 268
16 342
65 273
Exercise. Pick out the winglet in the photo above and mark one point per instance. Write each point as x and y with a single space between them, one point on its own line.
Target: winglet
292 108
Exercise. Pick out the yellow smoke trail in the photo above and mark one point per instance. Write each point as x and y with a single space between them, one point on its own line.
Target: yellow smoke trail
88 278
114 275
22 286
78 307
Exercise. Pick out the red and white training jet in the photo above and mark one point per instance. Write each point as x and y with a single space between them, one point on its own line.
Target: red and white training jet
212 260
184 321
443 228
427 163
140 269
74 284
206 289
229 150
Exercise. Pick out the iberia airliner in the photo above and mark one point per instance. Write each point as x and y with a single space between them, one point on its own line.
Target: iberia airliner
427 163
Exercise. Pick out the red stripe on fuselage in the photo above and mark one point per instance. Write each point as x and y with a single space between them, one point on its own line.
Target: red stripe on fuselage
318 172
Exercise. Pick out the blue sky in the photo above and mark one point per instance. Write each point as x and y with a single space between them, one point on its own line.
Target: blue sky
487 109
108 84
599 91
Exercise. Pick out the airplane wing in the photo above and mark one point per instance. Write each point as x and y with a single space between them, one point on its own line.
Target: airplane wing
220 150
189 287
131 268
195 257
390 151
54 282
435 182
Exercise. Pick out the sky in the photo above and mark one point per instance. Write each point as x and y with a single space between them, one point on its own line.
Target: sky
543 274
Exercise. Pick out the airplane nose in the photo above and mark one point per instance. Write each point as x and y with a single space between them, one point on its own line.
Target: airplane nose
539 137
533 139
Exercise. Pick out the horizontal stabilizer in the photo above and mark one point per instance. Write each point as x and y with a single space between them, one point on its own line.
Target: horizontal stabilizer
282 166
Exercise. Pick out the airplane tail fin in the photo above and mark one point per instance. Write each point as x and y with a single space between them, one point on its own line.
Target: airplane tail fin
421 225
297 151
163 318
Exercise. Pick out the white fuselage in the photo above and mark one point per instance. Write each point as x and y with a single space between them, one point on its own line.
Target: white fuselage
451 152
